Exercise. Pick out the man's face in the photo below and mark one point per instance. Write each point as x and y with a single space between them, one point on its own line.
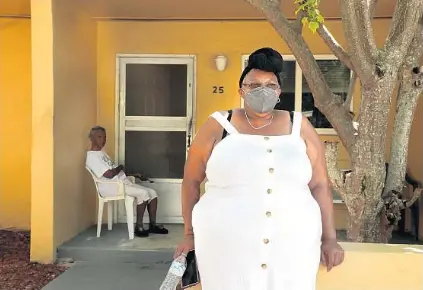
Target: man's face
99 139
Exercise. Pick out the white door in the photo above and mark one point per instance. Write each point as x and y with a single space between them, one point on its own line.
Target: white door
155 111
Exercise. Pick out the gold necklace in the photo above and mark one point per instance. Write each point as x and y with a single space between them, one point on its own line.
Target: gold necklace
260 127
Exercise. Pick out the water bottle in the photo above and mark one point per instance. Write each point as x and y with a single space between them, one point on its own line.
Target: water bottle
175 273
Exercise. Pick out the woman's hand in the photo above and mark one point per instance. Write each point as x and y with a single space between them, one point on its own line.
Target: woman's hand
185 246
332 254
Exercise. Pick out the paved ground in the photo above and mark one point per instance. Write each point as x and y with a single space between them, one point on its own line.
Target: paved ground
112 262
119 276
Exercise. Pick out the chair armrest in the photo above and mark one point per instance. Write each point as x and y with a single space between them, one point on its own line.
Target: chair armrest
119 183
108 181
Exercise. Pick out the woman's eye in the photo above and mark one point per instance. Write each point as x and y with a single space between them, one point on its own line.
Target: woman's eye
272 86
255 85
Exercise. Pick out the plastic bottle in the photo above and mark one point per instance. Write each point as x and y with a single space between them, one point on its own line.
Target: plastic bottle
175 273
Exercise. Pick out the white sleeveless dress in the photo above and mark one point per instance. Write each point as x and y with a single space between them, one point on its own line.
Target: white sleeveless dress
258 227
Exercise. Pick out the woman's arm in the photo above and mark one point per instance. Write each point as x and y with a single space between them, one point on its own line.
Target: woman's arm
195 168
331 252
319 184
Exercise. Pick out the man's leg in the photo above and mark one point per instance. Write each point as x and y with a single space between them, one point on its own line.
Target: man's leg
143 199
139 230
152 213
140 214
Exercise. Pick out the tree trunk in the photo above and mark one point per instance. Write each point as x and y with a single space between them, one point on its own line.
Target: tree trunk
364 185
364 228
364 221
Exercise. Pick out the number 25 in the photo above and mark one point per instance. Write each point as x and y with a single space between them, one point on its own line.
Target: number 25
218 90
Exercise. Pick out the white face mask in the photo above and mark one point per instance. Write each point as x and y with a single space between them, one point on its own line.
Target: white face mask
262 99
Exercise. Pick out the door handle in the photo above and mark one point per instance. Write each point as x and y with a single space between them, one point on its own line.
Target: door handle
189 133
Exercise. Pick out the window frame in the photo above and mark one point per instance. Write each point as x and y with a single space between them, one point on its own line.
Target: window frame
298 85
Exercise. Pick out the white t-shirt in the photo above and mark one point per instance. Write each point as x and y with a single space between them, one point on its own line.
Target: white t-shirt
99 162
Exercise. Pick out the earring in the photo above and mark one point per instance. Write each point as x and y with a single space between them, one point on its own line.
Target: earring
279 100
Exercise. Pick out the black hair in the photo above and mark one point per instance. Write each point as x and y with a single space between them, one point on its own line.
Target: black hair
96 129
265 59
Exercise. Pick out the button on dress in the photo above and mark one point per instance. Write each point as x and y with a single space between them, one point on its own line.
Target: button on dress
257 227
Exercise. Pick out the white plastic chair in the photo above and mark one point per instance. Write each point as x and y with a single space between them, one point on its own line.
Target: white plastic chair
120 195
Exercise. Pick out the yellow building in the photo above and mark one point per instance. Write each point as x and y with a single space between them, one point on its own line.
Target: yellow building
146 72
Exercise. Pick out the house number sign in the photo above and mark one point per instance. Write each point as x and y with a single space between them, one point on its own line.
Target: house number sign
218 90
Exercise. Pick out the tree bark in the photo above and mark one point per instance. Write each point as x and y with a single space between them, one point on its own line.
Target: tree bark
409 92
365 185
408 96
404 25
356 21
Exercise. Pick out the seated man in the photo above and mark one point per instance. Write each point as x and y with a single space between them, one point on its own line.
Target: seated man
104 168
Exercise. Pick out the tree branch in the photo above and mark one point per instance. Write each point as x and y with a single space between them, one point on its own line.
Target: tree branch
334 46
297 23
356 21
404 24
408 96
329 104
336 176
351 87
416 194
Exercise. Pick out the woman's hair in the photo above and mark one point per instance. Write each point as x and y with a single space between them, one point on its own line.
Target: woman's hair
265 59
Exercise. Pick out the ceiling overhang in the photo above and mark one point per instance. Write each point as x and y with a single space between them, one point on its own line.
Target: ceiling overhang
186 9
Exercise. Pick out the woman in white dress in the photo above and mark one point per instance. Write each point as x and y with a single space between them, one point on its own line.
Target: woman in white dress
266 218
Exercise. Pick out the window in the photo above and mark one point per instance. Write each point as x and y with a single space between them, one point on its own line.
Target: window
296 95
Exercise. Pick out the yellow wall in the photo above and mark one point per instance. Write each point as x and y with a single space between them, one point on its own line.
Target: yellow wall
75 109
15 122
64 109
42 193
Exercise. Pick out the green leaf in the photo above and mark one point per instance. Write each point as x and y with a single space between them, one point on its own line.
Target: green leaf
312 13
313 26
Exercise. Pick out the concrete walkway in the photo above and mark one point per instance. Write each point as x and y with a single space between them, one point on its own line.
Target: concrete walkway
112 276
112 262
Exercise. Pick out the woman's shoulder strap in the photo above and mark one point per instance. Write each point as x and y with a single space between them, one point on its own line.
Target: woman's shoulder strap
297 119
224 121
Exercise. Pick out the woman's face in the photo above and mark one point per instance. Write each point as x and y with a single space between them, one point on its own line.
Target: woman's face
258 78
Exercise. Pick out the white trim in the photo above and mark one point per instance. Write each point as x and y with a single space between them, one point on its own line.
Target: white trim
298 86
117 127
171 58
125 123
244 59
144 123
325 57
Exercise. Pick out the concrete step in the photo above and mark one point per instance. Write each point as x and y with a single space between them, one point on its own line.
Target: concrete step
115 247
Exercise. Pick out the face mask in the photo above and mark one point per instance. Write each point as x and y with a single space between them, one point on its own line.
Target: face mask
262 99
